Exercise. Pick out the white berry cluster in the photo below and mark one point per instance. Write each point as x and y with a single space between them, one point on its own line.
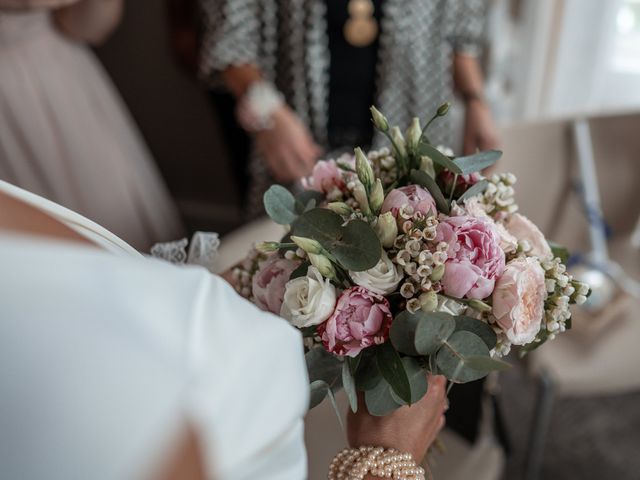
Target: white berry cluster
384 165
498 198
420 258
243 273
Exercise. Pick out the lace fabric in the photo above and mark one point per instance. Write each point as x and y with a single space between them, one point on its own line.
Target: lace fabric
202 250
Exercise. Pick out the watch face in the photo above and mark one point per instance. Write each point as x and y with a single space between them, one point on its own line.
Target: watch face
361 32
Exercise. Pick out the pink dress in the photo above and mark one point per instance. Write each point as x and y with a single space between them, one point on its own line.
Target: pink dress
66 135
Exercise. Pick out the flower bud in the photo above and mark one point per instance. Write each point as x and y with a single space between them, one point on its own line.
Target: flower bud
414 132
479 305
387 229
377 196
307 244
379 120
438 273
399 143
429 301
323 264
444 109
268 247
361 197
426 165
340 208
363 168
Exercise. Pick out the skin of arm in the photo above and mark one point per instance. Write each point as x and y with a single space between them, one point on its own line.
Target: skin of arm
89 21
480 132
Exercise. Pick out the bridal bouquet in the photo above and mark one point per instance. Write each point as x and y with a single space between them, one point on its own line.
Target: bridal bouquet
404 261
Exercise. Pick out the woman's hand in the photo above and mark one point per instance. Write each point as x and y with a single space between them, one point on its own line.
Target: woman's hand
480 132
288 148
408 429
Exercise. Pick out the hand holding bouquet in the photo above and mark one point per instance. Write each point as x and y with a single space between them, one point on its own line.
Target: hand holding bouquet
406 261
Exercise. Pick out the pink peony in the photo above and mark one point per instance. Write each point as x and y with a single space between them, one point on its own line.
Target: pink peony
413 195
518 300
361 319
269 282
524 229
475 259
325 178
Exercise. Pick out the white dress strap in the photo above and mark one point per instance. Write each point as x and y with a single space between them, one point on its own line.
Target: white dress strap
81 225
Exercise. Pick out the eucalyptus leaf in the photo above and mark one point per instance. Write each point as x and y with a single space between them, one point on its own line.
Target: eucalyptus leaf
324 366
417 378
349 385
438 157
392 369
317 392
379 400
477 327
451 358
403 332
280 205
354 362
478 161
355 246
486 364
307 200
425 180
476 189
432 331
367 376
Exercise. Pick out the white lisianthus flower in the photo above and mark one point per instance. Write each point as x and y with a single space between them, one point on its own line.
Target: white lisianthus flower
382 279
308 300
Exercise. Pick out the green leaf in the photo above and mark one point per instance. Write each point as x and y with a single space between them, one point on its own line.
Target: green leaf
355 246
451 358
308 332
424 179
324 366
438 157
307 200
559 251
379 400
367 376
403 332
476 189
317 393
354 362
392 369
477 327
300 271
478 161
349 385
432 331
280 205
417 378
486 364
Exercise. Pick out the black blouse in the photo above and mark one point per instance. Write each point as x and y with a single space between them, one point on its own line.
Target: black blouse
352 80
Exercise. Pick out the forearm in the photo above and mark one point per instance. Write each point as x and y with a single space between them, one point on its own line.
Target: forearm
89 20
468 77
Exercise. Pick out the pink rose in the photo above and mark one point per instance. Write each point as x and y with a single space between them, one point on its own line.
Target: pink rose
361 319
524 229
475 259
416 197
325 178
269 282
518 300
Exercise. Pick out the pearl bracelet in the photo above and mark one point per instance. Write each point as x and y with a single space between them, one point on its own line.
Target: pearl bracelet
356 463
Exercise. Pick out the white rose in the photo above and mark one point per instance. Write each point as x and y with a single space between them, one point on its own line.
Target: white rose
382 279
308 300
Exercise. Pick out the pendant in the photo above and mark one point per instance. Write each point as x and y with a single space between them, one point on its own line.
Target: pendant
361 29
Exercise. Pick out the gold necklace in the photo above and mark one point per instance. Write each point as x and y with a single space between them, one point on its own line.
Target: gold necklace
362 28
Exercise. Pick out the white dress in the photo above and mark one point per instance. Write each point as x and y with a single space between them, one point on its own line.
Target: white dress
66 135
104 357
